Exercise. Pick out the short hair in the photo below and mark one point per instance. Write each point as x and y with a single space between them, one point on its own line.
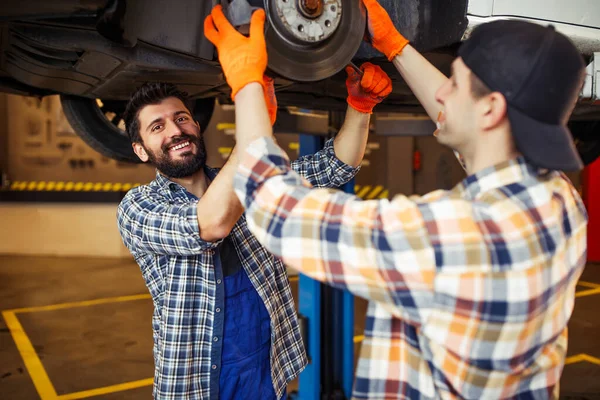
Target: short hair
150 93
478 88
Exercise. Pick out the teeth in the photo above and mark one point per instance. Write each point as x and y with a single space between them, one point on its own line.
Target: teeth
438 125
180 146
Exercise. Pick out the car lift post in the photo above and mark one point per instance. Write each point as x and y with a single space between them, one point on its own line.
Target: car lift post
328 318
326 314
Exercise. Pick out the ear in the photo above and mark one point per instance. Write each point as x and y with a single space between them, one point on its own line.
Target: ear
492 109
139 150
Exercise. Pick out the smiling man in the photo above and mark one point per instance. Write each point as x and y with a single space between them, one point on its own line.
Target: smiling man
224 321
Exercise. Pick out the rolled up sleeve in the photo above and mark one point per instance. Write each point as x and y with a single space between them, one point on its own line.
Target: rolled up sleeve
149 223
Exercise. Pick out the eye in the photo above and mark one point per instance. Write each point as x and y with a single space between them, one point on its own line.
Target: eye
156 127
182 119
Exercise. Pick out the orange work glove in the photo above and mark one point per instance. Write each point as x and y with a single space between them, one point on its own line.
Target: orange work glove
367 91
270 99
243 59
384 36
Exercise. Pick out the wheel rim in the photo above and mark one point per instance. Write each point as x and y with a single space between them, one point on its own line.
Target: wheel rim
113 111
306 56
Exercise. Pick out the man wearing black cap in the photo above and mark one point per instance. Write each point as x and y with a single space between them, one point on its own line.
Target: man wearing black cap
471 289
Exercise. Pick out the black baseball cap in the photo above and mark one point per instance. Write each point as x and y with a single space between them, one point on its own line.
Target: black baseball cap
540 73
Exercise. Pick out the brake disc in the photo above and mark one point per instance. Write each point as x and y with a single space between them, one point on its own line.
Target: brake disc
310 40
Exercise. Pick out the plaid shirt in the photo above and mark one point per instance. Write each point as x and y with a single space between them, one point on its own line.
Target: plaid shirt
471 288
158 223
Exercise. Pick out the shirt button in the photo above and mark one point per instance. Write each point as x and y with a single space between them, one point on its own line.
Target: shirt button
215 339
214 367
218 281
218 309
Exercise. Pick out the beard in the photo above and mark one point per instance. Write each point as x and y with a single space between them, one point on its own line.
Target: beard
189 163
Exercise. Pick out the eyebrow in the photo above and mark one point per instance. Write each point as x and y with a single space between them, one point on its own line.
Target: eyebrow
160 119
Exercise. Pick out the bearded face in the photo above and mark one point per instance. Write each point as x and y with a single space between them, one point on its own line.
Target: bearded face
183 156
170 139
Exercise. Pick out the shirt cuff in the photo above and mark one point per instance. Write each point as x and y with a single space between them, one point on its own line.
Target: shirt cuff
263 159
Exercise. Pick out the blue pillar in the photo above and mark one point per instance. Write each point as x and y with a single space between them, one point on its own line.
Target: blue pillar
338 315
309 307
347 333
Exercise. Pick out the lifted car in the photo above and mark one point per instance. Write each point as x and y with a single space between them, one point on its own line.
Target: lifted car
94 53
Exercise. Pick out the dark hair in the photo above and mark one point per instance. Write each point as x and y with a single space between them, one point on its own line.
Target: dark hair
150 93
478 88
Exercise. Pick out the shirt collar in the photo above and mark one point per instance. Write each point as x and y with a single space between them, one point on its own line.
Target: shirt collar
499 175
169 186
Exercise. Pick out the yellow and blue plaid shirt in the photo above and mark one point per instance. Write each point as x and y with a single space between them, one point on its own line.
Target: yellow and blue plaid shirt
158 224
471 289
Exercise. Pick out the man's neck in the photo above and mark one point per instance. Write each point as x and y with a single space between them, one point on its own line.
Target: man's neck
492 149
196 183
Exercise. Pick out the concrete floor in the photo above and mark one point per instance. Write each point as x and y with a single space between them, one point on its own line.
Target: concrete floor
83 328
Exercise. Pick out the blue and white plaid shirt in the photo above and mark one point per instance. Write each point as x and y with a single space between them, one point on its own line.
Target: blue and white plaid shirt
158 224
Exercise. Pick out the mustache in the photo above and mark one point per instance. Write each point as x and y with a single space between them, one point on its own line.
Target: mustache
183 137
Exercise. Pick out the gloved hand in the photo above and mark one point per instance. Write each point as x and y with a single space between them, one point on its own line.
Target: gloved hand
368 90
270 99
384 36
243 59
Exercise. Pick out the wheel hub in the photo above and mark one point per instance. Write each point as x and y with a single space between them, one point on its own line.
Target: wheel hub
311 40
307 21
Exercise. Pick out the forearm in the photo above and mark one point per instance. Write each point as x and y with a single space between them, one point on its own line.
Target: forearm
251 116
219 208
350 142
422 77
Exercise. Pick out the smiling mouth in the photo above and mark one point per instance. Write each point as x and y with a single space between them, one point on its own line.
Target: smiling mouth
180 146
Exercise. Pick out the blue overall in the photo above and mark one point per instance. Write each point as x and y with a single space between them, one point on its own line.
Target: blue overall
245 359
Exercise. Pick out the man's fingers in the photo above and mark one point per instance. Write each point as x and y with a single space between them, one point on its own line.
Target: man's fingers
220 21
367 78
380 85
210 31
352 74
386 90
257 24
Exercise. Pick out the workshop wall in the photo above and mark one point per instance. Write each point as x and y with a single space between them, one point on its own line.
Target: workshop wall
43 147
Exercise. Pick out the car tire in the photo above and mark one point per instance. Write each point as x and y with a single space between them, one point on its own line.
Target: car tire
90 123
587 139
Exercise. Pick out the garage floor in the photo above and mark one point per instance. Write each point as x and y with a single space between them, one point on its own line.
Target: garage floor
83 328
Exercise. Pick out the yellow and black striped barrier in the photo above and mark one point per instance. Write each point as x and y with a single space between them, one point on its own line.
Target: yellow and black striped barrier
368 192
365 192
65 192
60 186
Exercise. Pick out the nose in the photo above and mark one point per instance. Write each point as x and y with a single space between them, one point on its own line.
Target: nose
172 129
442 92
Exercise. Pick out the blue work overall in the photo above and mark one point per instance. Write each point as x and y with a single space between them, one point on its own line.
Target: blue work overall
245 359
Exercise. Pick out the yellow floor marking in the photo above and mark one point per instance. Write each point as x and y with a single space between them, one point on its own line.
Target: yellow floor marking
106 390
384 195
32 362
86 303
359 338
594 289
35 367
588 284
587 292
581 358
